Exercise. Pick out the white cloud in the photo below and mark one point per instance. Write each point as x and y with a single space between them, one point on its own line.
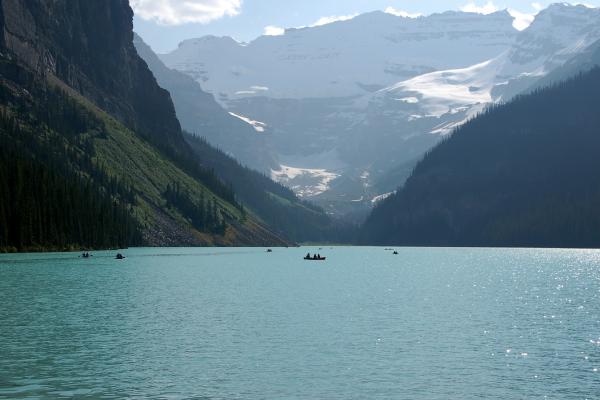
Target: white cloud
273 31
401 13
333 18
522 20
487 8
177 12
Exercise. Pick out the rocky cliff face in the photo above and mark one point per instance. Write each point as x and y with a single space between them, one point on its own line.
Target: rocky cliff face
88 44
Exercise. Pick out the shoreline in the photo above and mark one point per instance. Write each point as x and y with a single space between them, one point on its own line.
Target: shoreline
50 249
74 249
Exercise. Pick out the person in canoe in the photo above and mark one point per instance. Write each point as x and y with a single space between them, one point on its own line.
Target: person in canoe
120 256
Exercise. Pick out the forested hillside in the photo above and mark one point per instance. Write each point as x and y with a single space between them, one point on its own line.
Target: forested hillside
275 204
525 173
91 144
46 201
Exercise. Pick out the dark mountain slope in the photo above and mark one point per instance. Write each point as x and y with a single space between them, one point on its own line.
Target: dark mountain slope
522 174
62 58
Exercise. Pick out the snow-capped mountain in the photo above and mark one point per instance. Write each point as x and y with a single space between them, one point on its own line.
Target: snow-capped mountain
348 101
345 58
557 34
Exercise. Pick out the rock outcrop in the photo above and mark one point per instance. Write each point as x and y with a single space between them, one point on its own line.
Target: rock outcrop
88 44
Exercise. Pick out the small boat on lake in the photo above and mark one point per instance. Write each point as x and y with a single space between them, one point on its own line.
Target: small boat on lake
269 251
120 257
316 257
395 253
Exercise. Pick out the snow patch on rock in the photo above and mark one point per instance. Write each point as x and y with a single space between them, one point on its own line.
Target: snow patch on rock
305 182
257 125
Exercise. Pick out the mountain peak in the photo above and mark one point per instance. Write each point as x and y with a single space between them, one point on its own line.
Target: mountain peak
210 40
562 7
566 10
499 13
565 16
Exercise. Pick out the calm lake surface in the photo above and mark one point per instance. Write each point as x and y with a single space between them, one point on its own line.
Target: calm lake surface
246 324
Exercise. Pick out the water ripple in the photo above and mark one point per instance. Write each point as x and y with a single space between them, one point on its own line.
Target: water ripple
244 324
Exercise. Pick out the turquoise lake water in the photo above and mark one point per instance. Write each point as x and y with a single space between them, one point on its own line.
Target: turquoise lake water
246 324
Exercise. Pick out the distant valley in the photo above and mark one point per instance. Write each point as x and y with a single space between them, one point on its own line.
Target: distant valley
340 111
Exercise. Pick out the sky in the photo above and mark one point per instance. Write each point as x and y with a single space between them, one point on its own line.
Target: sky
163 24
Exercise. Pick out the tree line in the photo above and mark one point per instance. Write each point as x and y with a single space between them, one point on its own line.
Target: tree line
53 194
203 213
